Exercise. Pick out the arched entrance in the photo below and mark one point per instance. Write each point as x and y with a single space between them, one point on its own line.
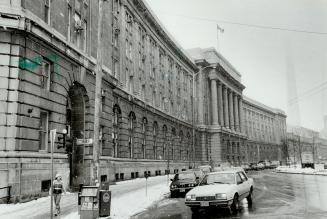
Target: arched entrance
77 102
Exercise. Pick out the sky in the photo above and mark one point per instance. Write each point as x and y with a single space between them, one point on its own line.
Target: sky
282 69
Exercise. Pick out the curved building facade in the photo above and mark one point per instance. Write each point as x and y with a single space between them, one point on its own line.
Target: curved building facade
48 75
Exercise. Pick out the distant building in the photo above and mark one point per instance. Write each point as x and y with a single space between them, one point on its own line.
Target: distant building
265 128
301 141
323 132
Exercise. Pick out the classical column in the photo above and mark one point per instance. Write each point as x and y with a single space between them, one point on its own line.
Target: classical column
214 103
200 96
220 104
231 111
236 113
226 119
240 110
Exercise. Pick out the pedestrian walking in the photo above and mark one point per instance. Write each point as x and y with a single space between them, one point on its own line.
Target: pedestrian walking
58 189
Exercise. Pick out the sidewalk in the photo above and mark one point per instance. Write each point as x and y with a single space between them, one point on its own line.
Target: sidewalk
128 198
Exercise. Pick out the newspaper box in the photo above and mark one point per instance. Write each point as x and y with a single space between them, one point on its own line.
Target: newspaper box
89 202
105 202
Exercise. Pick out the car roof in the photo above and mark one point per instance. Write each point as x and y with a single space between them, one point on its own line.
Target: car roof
225 171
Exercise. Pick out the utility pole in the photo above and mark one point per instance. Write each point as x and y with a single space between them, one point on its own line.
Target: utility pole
98 82
313 148
300 150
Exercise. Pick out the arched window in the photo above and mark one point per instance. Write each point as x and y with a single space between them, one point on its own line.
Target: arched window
164 130
115 131
131 125
181 146
190 148
173 132
144 129
155 133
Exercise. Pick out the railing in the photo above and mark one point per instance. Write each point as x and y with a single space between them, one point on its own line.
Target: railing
8 196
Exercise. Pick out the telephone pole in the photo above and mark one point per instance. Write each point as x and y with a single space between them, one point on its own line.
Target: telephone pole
95 170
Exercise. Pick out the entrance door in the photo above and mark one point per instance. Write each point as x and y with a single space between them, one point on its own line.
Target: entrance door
76 120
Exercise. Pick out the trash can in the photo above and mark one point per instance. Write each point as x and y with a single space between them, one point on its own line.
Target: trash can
104 203
89 202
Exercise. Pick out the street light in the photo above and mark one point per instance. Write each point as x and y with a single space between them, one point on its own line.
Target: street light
193 110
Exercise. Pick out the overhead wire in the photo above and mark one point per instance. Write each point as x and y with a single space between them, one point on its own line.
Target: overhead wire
245 24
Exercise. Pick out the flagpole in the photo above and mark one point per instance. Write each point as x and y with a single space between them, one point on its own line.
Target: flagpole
219 29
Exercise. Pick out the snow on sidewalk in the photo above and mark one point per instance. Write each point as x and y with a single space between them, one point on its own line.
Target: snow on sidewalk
128 198
129 204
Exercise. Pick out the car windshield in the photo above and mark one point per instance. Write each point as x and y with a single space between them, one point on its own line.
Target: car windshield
182 176
221 178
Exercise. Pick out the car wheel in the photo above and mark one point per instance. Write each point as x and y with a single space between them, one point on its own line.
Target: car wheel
195 210
235 205
249 197
173 194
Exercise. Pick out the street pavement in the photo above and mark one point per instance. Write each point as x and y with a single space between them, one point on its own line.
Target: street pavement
276 195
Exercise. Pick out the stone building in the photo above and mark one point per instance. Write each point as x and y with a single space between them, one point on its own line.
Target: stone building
48 61
265 128
218 113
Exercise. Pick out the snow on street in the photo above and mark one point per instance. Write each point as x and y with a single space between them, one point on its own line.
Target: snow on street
299 170
128 198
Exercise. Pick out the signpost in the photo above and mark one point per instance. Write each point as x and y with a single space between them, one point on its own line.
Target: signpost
86 141
52 141
146 175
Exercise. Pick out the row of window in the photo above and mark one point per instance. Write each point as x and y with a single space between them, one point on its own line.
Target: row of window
75 21
166 152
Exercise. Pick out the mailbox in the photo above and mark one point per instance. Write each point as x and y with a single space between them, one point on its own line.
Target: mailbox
89 202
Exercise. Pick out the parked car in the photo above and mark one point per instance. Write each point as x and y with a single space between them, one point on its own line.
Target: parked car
246 167
184 182
261 166
253 166
223 189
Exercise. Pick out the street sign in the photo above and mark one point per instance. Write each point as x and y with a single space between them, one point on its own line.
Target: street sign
52 136
86 141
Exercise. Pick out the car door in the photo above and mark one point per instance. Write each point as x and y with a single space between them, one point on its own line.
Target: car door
246 182
241 184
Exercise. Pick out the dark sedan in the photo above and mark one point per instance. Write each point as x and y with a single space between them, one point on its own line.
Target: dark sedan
183 182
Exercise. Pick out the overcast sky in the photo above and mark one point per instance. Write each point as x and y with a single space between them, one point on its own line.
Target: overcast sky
282 69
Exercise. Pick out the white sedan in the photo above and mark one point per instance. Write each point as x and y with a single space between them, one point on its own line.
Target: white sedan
223 189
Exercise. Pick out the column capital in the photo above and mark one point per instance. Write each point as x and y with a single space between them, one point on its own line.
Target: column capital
213 75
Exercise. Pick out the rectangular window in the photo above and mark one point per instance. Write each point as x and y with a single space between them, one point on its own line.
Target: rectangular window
47 11
104 178
85 36
131 85
115 67
115 33
78 28
130 51
69 23
44 128
116 7
45 185
101 139
46 72
127 48
103 100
